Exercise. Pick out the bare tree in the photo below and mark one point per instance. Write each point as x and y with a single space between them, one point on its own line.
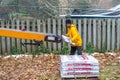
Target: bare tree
115 2
104 4
49 8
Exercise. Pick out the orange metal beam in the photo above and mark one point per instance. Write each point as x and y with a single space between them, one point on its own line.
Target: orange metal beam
22 34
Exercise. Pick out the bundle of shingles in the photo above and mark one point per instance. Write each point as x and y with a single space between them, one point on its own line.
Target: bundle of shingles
78 66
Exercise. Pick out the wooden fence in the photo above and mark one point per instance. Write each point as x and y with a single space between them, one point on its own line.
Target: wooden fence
100 32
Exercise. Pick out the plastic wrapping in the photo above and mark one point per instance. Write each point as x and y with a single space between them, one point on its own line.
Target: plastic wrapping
78 66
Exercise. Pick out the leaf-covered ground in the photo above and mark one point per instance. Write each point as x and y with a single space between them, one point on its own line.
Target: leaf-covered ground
46 67
109 66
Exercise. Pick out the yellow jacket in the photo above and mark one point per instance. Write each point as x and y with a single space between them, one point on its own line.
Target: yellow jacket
74 35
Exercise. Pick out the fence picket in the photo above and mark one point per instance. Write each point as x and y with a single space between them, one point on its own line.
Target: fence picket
54 32
13 39
49 28
75 22
79 26
113 34
104 33
22 40
84 33
59 33
18 41
39 26
44 30
94 32
108 33
28 41
8 39
118 34
0 45
99 34
3 42
33 25
89 30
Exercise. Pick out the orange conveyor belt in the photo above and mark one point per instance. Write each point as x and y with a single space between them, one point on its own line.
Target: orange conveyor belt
22 34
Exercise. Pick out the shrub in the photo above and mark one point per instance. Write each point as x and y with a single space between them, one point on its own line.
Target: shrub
90 48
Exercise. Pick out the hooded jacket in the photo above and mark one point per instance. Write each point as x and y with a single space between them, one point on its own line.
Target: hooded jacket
74 35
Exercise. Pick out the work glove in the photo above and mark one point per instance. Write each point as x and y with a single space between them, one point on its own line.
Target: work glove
67 39
71 42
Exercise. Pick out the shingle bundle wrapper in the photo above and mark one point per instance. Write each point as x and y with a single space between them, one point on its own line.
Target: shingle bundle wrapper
78 66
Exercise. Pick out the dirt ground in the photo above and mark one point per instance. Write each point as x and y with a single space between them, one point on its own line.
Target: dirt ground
46 67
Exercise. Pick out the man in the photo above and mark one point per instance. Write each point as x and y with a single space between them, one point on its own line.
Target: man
74 38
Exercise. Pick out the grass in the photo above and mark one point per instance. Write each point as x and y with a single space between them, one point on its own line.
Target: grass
110 72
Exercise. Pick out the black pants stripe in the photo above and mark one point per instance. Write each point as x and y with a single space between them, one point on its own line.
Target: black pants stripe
73 50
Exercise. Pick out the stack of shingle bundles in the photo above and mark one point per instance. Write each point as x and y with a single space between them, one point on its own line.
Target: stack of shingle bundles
78 66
